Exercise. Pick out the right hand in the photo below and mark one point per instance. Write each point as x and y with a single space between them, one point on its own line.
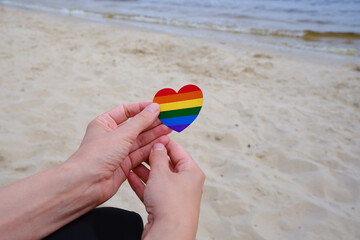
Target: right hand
114 142
172 193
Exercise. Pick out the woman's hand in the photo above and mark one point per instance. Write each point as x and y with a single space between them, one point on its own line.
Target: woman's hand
36 206
172 193
114 145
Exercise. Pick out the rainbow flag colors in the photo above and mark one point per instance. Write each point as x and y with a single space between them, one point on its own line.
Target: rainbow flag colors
179 110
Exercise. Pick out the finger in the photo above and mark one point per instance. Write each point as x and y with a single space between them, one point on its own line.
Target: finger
137 185
142 172
110 120
141 121
156 123
159 159
171 166
140 155
148 136
125 111
180 158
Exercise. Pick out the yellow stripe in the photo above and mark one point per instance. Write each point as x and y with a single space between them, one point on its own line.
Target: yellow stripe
181 104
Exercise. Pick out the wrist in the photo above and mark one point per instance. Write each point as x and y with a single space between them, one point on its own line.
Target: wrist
82 177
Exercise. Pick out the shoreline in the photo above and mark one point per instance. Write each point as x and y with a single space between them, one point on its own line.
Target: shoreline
282 45
278 134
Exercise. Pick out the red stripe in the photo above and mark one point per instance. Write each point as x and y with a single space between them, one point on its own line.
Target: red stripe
178 97
189 88
169 91
165 92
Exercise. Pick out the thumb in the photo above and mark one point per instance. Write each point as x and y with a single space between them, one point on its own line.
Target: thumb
158 158
143 119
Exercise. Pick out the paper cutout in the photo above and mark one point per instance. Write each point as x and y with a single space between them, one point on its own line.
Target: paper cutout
179 110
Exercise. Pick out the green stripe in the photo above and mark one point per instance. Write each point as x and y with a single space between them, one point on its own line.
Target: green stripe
180 112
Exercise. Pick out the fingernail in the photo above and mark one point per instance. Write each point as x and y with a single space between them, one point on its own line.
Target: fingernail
158 147
154 107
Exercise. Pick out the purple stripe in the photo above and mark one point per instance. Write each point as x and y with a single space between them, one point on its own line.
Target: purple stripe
179 128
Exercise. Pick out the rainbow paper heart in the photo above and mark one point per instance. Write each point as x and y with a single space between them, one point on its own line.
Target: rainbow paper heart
179 110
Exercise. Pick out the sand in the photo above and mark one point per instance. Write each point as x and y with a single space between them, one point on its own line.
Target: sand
278 136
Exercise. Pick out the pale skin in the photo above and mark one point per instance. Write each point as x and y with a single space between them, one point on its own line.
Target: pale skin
173 185
115 143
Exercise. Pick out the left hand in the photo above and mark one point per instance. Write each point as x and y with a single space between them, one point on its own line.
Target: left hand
171 192
114 144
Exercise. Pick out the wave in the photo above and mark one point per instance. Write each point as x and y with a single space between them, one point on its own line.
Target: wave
306 36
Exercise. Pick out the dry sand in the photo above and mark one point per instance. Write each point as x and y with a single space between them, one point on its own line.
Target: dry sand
278 136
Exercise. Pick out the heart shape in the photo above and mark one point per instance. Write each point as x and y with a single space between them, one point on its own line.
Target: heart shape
179 109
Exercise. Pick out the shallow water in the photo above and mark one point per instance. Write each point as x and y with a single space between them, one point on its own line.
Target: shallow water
319 25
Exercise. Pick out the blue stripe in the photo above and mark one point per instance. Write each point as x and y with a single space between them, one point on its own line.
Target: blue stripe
178 120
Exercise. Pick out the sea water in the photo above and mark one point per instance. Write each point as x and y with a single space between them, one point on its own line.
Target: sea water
331 26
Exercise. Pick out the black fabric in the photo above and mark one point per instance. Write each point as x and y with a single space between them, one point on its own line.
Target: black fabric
102 224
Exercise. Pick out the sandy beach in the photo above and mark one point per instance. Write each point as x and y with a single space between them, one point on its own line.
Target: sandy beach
278 135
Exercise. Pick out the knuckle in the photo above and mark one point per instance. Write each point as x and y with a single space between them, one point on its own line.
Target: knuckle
126 110
143 114
139 121
103 121
140 141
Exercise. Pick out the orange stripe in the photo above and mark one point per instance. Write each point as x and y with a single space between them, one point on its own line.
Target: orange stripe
178 97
